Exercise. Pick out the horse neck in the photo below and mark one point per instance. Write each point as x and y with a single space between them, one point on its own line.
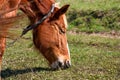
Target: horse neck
37 9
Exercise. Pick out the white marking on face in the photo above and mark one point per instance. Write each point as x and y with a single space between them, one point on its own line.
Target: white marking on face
64 16
65 21
61 59
68 52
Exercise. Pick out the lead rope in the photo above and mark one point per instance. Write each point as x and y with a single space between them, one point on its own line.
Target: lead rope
30 27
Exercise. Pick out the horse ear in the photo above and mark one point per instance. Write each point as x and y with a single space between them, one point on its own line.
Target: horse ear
61 11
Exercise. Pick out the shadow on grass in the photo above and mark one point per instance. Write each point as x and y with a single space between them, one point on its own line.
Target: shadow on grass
8 72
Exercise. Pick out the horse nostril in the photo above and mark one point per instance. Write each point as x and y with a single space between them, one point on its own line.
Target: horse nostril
68 64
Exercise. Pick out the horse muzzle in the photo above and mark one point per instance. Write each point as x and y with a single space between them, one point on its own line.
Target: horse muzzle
60 65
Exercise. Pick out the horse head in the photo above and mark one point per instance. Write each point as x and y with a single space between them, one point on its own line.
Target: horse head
50 39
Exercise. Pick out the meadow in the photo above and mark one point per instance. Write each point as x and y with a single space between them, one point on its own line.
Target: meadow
93 57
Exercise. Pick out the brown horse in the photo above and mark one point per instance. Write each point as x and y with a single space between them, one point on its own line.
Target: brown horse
49 29
50 38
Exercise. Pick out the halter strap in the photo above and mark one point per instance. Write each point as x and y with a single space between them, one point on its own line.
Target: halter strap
30 27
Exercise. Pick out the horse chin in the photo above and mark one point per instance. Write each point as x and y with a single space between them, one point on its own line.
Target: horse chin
60 64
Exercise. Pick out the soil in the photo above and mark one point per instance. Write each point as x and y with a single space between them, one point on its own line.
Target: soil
111 34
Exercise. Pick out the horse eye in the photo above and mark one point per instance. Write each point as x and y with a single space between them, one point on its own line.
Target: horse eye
61 31
60 27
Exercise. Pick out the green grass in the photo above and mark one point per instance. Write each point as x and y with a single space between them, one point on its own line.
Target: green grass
93 58
91 4
94 15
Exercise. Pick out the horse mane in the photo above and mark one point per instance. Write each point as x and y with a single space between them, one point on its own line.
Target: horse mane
33 8
9 27
8 17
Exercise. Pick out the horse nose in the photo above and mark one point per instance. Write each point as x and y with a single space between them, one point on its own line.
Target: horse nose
61 65
64 65
67 64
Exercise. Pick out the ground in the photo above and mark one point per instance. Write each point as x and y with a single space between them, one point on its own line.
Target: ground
93 58
94 46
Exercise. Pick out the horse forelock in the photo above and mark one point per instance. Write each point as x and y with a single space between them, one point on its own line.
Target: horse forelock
57 4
